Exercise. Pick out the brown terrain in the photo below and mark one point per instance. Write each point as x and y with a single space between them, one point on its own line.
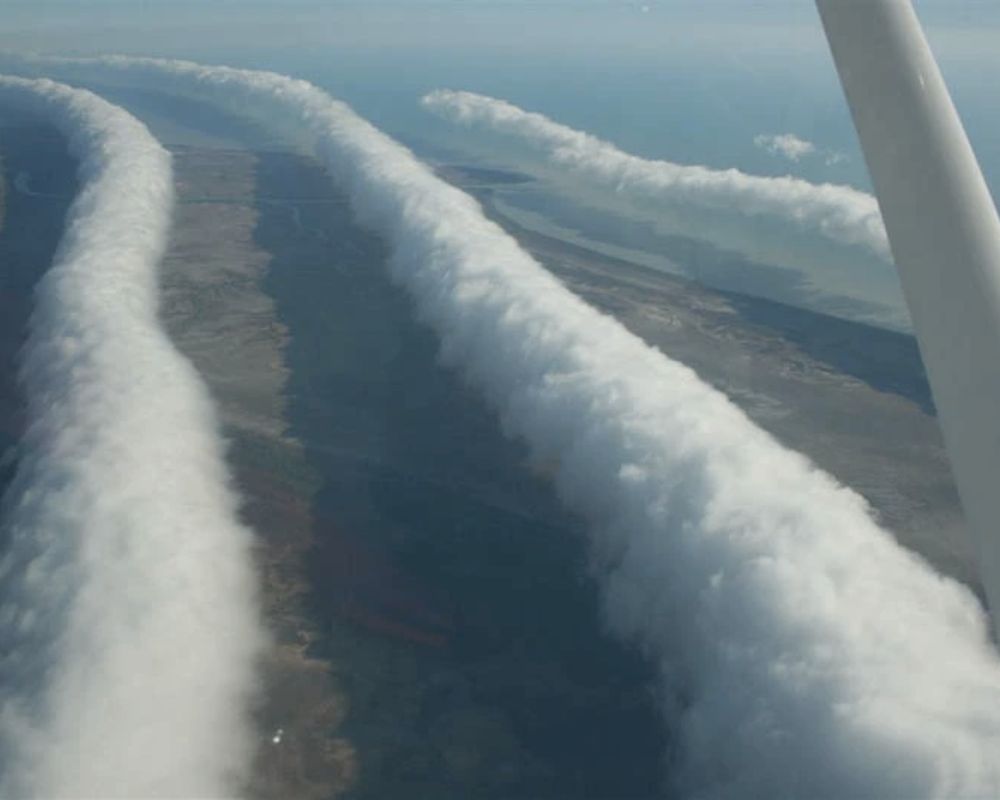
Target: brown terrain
218 316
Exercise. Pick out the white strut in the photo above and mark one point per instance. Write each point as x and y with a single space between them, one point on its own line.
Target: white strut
945 238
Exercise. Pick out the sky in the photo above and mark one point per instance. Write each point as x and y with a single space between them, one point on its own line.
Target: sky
966 24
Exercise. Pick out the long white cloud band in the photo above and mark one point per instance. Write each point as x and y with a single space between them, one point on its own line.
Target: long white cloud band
840 213
127 596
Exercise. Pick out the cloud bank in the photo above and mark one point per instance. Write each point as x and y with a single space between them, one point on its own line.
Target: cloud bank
128 618
802 651
839 213
787 145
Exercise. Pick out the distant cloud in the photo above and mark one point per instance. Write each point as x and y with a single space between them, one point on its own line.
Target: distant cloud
840 214
785 144
794 148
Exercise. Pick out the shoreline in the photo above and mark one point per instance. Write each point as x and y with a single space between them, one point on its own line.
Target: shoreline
850 396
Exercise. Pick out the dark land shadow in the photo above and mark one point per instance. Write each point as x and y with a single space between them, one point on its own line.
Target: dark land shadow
449 583
39 183
885 360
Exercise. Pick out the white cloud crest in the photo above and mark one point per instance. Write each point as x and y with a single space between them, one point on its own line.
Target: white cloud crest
839 213
128 612
803 652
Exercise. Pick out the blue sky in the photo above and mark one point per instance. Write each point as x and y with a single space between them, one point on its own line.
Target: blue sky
511 23
625 69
